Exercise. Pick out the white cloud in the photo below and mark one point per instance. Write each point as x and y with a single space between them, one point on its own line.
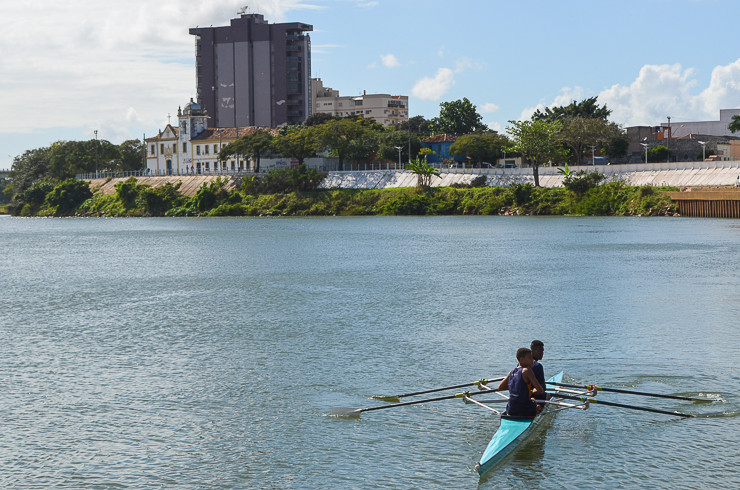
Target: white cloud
82 64
434 88
666 90
565 97
489 107
466 63
368 4
494 125
389 61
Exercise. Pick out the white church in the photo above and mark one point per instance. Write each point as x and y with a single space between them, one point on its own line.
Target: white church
192 147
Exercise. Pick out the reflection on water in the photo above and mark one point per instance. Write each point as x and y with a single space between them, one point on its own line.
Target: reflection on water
206 352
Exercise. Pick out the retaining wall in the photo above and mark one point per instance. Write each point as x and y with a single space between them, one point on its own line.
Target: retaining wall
678 174
681 174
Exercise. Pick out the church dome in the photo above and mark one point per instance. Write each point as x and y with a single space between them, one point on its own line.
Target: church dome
193 108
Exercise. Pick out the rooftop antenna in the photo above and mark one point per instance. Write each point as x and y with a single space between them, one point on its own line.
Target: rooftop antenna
243 10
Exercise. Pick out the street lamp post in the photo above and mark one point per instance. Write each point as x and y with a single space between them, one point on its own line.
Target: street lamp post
668 145
399 148
645 145
96 153
220 132
703 150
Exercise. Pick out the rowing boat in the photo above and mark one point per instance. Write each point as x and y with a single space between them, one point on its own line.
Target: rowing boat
513 431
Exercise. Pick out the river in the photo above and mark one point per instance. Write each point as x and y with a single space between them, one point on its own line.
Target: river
201 353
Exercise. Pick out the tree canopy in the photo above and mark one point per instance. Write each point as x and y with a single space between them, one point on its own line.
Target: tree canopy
347 138
580 133
457 118
298 142
587 108
480 147
253 145
538 141
417 125
734 125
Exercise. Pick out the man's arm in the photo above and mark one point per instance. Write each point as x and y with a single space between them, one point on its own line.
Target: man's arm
530 378
504 384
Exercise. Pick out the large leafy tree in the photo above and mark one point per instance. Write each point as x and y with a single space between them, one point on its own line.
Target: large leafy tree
480 147
297 142
457 118
580 133
347 139
417 125
318 118
587 108
68 158
27 168
537 141
734 125
254 145
392 139
132 155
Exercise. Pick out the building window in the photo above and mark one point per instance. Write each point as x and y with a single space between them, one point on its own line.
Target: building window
197 150
206 147
153 149
161 147
232 165
174 148
184 147
215 149
208 167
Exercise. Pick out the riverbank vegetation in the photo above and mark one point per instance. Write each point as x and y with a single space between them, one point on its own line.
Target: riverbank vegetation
294 192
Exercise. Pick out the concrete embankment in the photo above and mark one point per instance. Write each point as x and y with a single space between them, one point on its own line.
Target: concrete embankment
188 187
681 174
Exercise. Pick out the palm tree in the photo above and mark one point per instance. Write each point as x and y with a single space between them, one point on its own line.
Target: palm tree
734 125
423 170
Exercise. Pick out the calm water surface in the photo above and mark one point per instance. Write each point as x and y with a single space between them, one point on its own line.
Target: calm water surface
205 353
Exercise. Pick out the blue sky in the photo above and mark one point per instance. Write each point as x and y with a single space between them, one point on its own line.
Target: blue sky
68 68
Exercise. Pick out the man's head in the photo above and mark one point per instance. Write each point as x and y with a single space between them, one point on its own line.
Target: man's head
524 356
538 350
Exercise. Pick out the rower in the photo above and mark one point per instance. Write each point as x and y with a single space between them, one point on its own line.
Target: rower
522 384
538 351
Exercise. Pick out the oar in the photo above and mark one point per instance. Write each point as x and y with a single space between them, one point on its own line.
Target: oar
395 398
357 411
629 392
621 405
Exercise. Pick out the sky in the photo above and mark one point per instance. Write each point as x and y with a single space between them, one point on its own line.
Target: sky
70 68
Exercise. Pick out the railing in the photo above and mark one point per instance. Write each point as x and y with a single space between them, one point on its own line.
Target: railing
396 166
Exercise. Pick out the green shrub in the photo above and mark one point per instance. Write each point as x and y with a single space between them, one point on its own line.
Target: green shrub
582 181
521 193
127 192
210 195
283 181
156 201
64 199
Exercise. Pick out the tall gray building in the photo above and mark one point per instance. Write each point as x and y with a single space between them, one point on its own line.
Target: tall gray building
252 73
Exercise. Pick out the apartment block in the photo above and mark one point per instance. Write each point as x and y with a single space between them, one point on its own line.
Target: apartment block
385 109
252 73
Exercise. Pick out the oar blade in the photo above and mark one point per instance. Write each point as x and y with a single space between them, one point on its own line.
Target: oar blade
346 412
392 399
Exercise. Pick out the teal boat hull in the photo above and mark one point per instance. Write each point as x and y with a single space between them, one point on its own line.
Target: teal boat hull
510 434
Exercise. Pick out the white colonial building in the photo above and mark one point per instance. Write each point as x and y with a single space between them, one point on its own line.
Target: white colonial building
192 147
385 109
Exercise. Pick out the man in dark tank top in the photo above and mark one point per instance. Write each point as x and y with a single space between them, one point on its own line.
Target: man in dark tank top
521 385
538 351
